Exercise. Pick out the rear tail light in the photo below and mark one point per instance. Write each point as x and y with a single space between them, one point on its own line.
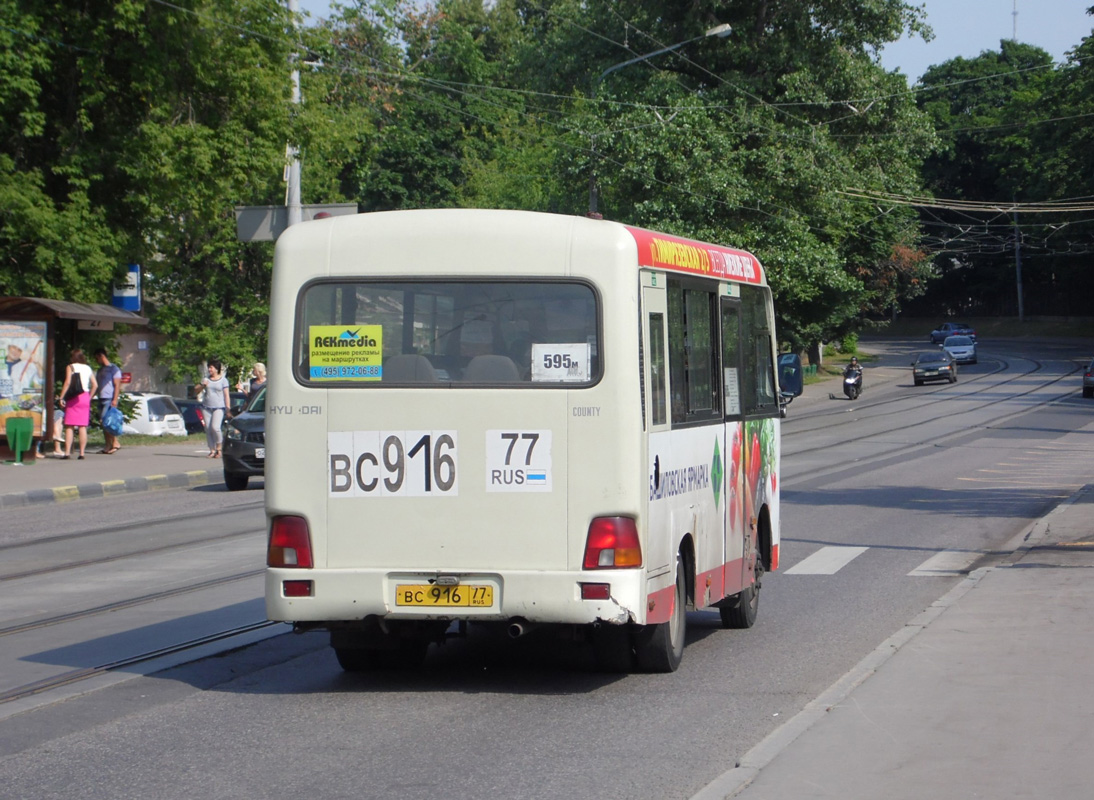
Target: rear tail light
612 543
290 543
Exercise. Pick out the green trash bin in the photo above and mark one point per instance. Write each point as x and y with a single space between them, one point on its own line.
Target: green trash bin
20 433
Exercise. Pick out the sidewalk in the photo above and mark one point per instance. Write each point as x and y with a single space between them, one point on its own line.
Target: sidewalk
132 469
986 694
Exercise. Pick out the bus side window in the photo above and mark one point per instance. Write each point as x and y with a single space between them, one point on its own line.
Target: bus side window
693 354
657 368
758 387
731 351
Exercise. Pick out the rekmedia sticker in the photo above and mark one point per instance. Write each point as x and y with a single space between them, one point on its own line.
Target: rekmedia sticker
345 353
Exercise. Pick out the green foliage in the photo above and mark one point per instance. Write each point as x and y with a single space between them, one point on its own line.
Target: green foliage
1012 128
131 131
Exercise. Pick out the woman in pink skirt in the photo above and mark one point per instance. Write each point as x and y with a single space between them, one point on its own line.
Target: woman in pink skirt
80 378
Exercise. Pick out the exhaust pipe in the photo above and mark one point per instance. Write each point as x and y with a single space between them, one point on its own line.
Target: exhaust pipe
517 628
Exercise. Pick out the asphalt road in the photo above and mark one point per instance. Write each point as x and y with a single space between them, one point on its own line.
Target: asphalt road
887 503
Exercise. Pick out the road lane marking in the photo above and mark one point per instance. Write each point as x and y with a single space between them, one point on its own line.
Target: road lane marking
827 561
948 562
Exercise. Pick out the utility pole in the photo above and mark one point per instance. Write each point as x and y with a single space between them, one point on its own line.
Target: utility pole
1018 264
292 190
266 223
1014 37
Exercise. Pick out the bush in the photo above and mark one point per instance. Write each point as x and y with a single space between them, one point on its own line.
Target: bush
849 343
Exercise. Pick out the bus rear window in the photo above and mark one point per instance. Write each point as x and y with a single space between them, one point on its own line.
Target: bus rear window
455 333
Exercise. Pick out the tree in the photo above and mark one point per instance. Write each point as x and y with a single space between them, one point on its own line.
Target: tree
1010 127
130 134
748 141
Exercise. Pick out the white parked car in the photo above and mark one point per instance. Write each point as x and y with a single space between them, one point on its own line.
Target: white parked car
155 415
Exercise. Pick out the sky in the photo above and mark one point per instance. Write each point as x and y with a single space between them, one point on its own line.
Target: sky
962 28
968 27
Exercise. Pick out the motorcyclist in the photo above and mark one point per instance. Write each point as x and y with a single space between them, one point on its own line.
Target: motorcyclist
852 368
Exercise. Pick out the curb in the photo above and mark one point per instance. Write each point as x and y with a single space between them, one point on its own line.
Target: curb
734 780
84 491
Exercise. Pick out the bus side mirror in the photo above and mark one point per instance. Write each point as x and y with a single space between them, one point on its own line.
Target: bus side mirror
790 374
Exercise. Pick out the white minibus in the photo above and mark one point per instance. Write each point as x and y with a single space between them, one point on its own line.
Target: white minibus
518 419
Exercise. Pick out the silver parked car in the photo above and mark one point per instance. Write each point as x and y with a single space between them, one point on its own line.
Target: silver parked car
961 348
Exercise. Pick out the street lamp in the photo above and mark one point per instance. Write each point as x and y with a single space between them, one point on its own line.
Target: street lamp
721 31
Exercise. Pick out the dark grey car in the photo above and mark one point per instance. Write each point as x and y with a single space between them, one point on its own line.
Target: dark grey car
244 451
934 366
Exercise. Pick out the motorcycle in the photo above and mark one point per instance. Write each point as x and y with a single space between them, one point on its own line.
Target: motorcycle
852 383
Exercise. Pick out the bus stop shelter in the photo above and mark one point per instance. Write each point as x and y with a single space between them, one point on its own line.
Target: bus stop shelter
29 328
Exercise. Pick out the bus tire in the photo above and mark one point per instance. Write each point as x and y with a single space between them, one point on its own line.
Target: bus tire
742 614
660 648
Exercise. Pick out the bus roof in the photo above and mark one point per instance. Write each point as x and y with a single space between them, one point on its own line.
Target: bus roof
663 251
655 250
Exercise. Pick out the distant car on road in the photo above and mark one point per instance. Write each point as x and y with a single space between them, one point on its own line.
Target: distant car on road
939 334
961 348
155 415
244 452
934 366
193 415
1088 380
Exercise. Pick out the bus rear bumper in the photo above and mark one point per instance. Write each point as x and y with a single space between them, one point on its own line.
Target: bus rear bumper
538 597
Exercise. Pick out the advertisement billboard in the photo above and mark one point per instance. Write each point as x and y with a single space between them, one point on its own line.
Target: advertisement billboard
22 375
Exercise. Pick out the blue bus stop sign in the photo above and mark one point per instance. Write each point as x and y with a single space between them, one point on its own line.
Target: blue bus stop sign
128 295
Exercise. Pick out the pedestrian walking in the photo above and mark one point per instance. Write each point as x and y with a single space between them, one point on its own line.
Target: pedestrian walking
109 378
256 381
215 404
79 385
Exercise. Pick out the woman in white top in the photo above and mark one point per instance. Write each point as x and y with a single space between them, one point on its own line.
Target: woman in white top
80 379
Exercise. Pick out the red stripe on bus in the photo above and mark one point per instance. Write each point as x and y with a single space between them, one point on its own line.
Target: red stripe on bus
722 581
662 251
659 605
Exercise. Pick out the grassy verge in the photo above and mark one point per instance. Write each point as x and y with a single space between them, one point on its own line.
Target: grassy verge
95 439
835 362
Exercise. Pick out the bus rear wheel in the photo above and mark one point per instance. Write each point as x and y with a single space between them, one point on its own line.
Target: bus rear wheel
660 648
743 613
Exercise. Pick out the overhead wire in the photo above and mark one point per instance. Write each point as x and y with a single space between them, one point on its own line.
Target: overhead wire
447 87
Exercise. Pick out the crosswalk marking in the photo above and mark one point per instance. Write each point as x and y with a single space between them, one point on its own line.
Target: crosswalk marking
948 562
827 561
831 559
